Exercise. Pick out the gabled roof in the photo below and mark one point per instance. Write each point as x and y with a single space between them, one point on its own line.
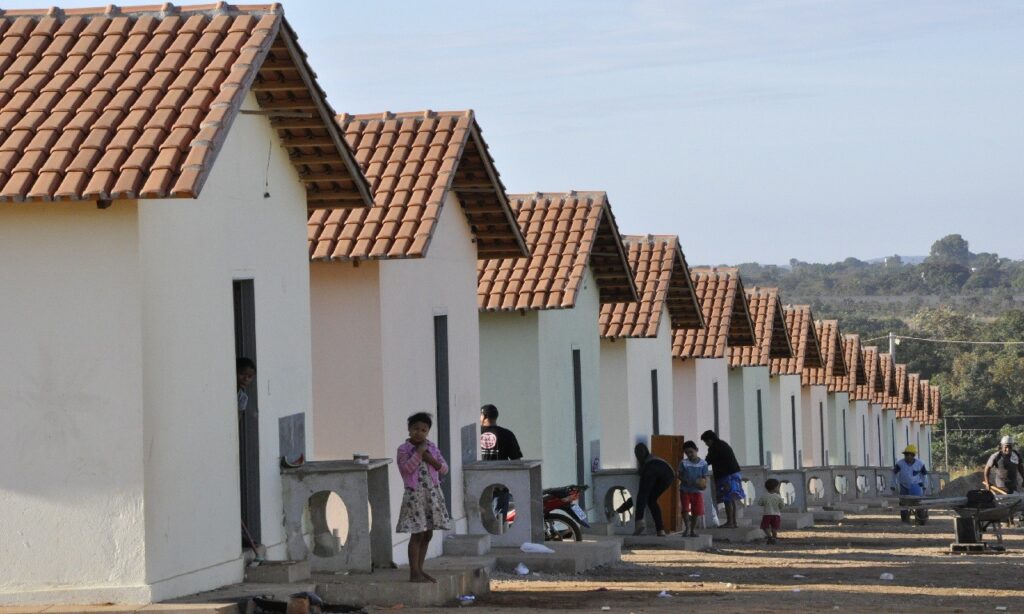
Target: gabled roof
831 351
807 347
136 102
413 160
887 396
662 279
902 390
925 405
565 233
769 329
873 375
856 375
727 319
913 404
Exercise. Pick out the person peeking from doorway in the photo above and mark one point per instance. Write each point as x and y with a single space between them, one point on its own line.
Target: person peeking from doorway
656 475
423 505
726 469
693 479
245 372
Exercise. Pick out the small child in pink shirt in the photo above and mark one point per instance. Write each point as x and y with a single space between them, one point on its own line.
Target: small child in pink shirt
423 506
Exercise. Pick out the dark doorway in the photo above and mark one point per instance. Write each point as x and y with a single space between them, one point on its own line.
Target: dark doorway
760 429
792 409
864 437
656 428
821 427
846 447
441 386
577 391
714 404
892 436
249 417
878 419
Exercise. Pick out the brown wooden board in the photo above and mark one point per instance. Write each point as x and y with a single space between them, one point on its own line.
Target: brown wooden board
670 448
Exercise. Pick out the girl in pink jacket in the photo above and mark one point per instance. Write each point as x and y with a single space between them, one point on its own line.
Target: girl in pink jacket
423 506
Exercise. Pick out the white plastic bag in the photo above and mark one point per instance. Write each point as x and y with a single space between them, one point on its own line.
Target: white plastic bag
536 548
522 569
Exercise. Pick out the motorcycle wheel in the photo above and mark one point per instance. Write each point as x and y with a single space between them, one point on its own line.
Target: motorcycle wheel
560 527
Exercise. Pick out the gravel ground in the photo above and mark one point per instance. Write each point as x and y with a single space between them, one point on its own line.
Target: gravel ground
826 568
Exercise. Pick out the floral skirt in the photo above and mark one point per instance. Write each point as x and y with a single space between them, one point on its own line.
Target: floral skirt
423 508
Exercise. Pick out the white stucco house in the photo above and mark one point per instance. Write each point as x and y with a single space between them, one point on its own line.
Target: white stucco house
868 409
887 400
846 420
750 378
154 188
897 439
785 394
540 342
394 307
636 347
700 371
822 409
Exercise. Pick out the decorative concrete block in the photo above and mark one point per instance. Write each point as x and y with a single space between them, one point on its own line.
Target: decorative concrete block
523 480
608 482
356 484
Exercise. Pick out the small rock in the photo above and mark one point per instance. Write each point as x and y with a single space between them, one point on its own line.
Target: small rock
799 576
887 576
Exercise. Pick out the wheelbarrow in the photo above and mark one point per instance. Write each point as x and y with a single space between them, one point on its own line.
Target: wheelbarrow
972 521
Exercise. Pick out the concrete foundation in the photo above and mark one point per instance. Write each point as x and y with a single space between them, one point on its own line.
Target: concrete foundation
467 545
823 515
523 480
792 521
278 572
740 535
568 558
356 484
153 608
849 508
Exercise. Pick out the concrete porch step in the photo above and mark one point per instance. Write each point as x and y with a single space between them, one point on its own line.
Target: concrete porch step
235 592
675 541
278 572
467 545
740 535
568 558
797 520
823 515
391 587
152 608
848 507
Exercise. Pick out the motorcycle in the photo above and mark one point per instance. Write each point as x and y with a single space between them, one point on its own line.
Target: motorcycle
564 519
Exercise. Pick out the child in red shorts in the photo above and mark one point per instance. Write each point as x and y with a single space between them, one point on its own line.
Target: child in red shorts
772 502
693 479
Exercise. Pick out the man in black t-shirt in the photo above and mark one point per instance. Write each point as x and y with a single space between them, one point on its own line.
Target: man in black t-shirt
496 443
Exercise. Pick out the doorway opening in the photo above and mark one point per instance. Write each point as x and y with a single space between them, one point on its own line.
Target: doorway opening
248 411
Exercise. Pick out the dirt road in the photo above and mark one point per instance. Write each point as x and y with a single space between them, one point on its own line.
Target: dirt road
827 568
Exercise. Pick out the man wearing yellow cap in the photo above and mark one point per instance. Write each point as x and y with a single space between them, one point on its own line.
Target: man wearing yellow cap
909 475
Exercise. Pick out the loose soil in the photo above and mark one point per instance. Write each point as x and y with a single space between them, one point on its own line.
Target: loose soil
840 565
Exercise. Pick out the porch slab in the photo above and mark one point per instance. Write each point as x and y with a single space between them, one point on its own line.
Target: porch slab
877 504
675 541
234 592
568 558
467 545
739 535
391 587
278 572
797 520
849 508
822 515
164 608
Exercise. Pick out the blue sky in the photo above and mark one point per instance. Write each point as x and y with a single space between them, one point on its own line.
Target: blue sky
753 130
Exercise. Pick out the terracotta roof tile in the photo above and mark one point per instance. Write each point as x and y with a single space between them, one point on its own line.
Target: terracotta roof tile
769 329
804 336
565 233
936 413
902 390
135 102
855 373
887 397
913 404
873 383
413 160
829 337
726 313
924 405
662 279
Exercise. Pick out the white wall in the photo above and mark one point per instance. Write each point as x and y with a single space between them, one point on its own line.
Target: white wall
412 293
561 331
626 393
888 437
815 422
838 407
859 432
693 383
191 251
875 454
71 488
510 375
785 395
744 384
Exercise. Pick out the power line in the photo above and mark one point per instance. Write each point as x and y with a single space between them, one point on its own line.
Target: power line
961 341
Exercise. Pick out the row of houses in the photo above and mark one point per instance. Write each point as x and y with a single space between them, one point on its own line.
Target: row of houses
176 192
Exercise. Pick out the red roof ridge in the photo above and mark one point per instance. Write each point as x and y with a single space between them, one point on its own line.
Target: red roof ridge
385 115
164 9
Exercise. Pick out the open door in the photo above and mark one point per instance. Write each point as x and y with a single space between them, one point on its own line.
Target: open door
670 448
249 415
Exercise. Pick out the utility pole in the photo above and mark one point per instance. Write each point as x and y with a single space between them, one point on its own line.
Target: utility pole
892 347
